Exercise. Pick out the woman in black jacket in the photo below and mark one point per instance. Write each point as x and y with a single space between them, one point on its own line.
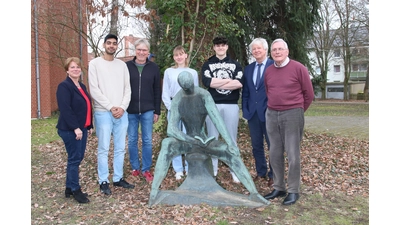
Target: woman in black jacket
74 124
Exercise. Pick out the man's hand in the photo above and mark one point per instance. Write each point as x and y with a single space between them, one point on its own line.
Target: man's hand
155 118
117 112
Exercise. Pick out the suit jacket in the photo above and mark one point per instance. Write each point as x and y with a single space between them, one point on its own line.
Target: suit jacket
72 106
254 100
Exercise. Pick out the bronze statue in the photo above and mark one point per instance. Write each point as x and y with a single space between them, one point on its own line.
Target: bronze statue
192 105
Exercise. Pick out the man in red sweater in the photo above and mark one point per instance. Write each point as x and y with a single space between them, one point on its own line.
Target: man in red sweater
290 93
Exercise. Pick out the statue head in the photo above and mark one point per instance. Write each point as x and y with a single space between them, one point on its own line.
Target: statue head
185 80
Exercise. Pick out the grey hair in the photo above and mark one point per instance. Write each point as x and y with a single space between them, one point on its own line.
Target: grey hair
261 41
280 40
142 41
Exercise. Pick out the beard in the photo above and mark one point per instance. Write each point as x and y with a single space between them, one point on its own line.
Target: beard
108 52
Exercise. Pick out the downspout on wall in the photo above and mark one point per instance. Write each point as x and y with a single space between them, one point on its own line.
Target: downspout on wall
37 60
80 36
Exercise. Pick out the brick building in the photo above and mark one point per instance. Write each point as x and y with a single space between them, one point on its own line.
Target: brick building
55 36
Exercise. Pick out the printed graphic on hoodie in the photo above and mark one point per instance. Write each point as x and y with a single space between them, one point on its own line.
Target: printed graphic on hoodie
223 70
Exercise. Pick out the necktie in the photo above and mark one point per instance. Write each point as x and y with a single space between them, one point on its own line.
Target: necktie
258 75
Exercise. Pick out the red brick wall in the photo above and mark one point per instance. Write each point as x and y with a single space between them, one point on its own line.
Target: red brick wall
55 43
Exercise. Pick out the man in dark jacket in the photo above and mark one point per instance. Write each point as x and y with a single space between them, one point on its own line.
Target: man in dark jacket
254 105
144 107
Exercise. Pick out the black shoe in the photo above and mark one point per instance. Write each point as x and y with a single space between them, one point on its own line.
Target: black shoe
104 188
79 196
275 194
291 198
68 192
124 184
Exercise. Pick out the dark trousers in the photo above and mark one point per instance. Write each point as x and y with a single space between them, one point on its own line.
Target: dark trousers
258 132
76 151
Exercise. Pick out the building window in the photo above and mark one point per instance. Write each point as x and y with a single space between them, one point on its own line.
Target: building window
363 67
336 68
336 53
355 51
335 89
359 67
318 70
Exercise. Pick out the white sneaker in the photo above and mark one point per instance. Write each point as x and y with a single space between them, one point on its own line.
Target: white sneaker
215 165
179 175
235 179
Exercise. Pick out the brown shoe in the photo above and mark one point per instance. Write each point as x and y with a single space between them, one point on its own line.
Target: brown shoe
270 182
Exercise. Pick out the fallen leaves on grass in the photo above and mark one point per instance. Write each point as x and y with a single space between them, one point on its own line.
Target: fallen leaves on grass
328 164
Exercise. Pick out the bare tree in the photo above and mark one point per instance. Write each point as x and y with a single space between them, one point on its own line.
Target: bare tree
97 18
348 33
115 16
322 42
363 18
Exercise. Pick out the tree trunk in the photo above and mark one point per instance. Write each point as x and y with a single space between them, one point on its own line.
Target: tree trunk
366 87
114 18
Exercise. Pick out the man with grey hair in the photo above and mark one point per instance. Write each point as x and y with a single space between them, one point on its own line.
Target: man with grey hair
254 105
144 107
290 93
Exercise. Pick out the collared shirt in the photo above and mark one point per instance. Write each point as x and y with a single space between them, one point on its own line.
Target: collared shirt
261 69
284 63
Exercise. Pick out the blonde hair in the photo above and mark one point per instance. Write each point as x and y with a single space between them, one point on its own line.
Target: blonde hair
72 59
180 49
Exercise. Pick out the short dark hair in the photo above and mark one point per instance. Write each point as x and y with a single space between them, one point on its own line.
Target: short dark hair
110 36
220 40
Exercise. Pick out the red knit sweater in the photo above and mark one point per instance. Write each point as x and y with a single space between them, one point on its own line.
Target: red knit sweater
288 87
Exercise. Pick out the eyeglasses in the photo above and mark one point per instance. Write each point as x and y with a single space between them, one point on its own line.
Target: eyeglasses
278 49
142 50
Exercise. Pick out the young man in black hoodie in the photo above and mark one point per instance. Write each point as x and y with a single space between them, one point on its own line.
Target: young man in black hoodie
222 76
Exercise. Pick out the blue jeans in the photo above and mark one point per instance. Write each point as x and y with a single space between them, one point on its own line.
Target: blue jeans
177 163
75 151
146 125
106 125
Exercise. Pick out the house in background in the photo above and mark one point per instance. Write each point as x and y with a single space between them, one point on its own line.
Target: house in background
359 66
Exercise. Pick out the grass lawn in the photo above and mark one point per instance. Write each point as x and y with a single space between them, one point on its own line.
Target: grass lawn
334 185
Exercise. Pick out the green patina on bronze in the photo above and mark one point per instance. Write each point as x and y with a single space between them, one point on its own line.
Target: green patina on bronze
192 105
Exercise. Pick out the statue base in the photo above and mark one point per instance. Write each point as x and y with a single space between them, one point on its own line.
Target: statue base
200 187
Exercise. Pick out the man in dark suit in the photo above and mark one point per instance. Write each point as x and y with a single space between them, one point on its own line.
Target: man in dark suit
254 105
